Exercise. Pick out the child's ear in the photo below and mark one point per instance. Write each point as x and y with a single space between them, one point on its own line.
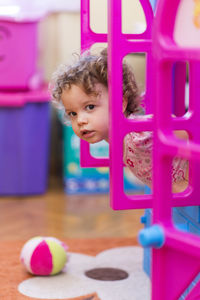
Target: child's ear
125 103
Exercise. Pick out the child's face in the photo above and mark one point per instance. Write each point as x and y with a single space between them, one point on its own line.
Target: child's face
88 113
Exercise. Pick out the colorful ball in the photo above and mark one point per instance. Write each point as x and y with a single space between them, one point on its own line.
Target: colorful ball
44 255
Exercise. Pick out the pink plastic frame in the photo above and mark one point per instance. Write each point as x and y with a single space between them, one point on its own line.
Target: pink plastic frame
119 45
88 38
177 263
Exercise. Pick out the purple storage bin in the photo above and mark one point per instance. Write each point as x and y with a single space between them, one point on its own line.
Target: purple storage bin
24 144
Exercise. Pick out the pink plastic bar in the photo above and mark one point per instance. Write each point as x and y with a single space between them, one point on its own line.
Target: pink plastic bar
177 263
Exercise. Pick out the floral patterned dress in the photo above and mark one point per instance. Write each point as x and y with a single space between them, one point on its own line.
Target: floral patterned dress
138 156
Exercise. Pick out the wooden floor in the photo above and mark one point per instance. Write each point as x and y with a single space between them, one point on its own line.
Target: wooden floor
63 216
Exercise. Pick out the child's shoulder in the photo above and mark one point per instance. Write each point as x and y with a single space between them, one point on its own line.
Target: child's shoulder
141 137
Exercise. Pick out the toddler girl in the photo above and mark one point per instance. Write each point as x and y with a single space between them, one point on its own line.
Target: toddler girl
82 89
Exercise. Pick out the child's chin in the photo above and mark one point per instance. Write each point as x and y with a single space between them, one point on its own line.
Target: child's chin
93 141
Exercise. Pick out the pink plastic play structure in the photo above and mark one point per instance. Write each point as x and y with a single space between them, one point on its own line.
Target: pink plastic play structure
171 39
176 264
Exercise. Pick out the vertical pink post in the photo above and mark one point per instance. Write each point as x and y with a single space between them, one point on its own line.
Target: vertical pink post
88 38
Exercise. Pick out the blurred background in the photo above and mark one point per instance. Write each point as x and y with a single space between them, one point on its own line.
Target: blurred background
42 187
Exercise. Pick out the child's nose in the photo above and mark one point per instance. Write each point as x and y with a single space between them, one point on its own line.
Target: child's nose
82 119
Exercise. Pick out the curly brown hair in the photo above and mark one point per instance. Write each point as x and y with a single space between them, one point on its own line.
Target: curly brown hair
89 70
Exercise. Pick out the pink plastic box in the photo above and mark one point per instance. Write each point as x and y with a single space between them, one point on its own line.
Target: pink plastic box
18 55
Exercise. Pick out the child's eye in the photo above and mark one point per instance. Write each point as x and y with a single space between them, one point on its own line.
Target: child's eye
90 107
71 114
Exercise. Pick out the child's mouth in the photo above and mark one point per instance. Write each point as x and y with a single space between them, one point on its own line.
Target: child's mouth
87 133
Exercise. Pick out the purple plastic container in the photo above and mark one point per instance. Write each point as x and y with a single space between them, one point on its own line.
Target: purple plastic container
24 146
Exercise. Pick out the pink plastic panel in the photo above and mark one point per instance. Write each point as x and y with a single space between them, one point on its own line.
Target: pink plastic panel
176 264
120 45
121 126
88 38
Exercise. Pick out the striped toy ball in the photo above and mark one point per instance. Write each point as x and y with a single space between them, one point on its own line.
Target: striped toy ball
44 255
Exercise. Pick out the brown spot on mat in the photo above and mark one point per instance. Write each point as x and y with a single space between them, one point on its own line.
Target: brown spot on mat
107 274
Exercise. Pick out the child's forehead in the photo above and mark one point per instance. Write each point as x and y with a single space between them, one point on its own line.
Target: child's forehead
79 90
76 95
